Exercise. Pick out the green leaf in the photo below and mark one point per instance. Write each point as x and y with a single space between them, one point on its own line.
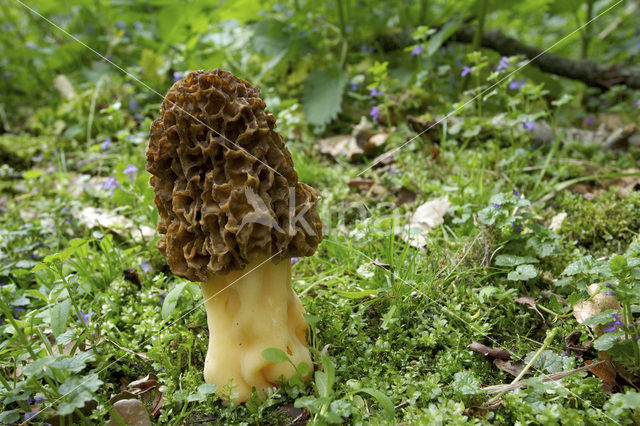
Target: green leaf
514 260
73 364
322 96
60 316
170 301
384 401
357 294
436 41
32 174
9 417
548 361
601 318
275 355
203 391
466 383
523 273
607 340
322 383
618 264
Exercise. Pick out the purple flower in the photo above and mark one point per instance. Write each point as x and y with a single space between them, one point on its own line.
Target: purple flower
392 171
612 326
515 84
517 228
364 48
120 24
138 25
162 297
496 206
111 184
145 266
177 76
590 120
504 64
131 171
517 193
529 125
375 92
36 400
133 105
29 416
85 317
416 50
106 144
465 70
354 86
375 113
634 104
295 260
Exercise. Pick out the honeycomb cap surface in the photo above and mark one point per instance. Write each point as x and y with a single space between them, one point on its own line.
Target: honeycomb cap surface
224 182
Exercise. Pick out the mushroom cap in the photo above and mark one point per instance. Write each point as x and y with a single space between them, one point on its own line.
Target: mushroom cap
224 181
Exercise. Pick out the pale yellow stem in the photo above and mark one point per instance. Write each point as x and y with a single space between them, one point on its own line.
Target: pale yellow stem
258 311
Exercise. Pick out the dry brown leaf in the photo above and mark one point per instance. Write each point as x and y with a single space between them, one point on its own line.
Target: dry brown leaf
508 367
363 139
531 303
405 196
132 413
361 184
488 352
605 372
599 303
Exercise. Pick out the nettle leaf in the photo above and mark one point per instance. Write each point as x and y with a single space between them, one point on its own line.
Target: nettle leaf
607 340
543 247
466 383
322 96
74 364
523 273
548 361
514 260
488 215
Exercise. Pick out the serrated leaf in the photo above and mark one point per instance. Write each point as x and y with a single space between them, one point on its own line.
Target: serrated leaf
322 96
523 273
466 383
275 355
548 361
607 340
514 260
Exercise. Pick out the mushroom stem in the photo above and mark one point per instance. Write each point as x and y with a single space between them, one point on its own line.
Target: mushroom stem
247 314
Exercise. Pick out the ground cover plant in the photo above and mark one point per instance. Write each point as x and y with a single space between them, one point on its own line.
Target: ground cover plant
479 196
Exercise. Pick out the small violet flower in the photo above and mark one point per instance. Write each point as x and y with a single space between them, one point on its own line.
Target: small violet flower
517 228
375 92
145 266
634 104
465 70
29 416
529 125
111 184
106 144
131 171
177 76
516 84
375 113
85 317
517 193
354 86
133 105
504 64
590 120
295 260
612 326
138 25
496 206
610 292
416 50
120 24
392 171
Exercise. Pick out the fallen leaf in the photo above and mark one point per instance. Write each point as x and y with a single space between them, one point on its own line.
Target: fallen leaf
362 140
93 217
556 222
488 352
572 344
426 217
531 303
605 372
361 184
405 196
508 367
599 303
131 275
131 412
64 87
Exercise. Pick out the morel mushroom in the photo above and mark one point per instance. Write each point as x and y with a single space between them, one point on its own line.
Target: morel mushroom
232 214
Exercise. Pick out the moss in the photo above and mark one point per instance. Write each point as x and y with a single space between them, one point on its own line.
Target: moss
604 225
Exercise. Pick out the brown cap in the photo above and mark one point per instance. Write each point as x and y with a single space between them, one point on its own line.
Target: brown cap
224 181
